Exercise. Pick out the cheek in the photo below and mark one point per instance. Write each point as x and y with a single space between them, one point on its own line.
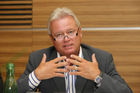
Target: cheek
77 40
58 45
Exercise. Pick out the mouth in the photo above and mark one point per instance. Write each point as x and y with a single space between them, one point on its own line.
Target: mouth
68 46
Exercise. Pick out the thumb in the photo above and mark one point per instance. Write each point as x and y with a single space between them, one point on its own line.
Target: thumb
44 58
94 58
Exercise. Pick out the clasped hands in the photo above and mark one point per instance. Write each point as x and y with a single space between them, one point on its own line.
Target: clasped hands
84 68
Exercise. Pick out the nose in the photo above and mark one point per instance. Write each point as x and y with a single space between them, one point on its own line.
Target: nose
66 38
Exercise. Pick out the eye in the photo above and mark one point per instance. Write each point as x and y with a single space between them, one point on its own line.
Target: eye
70 32
59 35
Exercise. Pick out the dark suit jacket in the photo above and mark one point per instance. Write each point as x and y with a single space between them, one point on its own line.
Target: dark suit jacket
111 82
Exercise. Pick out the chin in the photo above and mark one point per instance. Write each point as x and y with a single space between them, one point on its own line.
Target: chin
69 52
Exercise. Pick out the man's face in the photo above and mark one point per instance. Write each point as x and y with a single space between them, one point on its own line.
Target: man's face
67 35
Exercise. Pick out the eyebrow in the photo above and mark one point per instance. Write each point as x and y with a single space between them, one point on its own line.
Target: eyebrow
66 31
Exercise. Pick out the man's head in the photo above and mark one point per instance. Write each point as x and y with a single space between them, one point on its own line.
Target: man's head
65 31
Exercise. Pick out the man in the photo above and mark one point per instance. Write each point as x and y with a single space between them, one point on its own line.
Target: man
69 66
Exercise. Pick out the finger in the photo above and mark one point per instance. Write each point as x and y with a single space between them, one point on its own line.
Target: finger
72 68
94 58
59 75
75 73
77 58
61 70
74 62
44 58
59 59
61 64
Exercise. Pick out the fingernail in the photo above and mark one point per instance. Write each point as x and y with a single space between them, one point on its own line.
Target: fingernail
67 59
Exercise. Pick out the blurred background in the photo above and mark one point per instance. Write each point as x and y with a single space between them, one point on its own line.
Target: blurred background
111 25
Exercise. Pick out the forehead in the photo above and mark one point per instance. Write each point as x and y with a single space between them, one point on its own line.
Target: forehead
63 24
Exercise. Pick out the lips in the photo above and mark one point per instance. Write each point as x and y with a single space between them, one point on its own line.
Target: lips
68 46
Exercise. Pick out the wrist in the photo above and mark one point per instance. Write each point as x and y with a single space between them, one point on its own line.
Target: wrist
33 80
98 79
97 74
36 74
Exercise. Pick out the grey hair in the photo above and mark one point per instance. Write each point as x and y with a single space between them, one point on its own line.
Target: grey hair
60 12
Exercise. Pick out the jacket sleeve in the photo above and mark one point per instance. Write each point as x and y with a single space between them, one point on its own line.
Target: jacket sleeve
112 81
22 82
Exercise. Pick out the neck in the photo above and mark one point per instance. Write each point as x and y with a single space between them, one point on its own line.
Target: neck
68 55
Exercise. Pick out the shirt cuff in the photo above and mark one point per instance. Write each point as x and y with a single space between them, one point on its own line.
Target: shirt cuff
33 80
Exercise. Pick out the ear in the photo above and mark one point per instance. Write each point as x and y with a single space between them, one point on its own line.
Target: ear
52 39
80 32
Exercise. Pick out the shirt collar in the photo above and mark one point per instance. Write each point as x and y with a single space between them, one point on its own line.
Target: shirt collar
80 53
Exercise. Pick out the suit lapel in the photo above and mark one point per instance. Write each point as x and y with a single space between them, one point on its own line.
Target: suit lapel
59 81
80 81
